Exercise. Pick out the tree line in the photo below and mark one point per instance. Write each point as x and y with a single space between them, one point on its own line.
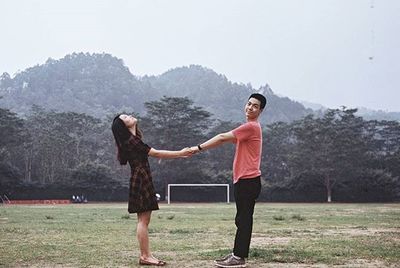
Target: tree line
337 156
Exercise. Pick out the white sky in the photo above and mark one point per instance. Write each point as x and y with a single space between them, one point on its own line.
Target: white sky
313 50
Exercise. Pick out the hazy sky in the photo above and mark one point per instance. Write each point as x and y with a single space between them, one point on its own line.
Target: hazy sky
331 52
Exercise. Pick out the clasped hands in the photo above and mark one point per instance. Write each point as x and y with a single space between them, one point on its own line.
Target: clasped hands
189 151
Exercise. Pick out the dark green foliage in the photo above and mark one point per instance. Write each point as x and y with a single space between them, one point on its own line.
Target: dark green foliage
338 155
89 175
174 123
11 127
12 138
341 154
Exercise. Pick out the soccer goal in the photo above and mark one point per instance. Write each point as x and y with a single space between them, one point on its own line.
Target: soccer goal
197 185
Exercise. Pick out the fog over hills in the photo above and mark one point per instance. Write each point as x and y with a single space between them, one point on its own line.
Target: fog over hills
100 85
366 113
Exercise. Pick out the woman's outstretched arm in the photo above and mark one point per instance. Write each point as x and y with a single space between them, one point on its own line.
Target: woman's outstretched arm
185 152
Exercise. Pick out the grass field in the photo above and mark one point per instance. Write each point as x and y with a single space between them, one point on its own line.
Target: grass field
193 235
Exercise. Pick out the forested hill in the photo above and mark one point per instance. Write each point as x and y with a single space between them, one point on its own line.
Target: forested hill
100 84
95 84
221 97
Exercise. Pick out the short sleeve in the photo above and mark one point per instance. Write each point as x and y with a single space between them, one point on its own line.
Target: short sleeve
137 146
243 132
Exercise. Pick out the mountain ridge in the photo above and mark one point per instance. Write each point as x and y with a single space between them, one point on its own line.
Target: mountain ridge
100 85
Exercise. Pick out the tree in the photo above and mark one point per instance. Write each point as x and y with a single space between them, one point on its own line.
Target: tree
331 147
11 131
60 141
277 145
217 163
12 136
174 123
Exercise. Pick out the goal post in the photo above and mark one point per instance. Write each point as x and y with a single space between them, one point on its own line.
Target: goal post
197 185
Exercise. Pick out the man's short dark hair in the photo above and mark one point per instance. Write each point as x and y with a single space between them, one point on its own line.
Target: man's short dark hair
259 97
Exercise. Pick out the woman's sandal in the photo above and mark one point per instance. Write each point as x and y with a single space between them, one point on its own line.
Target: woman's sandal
159 263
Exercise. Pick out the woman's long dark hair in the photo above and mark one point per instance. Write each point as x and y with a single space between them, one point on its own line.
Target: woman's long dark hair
121 135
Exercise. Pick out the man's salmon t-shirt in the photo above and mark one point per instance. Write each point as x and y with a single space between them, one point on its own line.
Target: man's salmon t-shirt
246 163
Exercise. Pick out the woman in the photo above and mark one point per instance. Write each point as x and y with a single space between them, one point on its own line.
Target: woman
142 199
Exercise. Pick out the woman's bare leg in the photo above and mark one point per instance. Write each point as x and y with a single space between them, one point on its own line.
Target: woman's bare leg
142 233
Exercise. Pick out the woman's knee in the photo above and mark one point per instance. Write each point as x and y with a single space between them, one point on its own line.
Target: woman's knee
144 218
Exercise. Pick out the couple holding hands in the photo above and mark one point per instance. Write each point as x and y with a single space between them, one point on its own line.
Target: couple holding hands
246 176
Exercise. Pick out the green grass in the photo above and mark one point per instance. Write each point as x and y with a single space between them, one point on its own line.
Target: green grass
192 235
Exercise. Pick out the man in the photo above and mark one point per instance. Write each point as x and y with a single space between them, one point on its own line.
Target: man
246 176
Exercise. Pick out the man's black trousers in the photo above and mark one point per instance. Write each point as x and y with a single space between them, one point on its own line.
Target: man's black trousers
246 191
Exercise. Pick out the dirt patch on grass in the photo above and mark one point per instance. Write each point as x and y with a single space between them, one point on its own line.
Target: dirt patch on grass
361 231
263 240
365 263
359 263
251 264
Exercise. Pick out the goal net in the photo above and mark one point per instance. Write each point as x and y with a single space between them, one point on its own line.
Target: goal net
198 189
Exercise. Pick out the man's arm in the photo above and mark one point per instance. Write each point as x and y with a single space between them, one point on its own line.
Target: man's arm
215 141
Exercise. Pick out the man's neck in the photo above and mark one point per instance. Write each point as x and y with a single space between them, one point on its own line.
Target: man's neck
251 119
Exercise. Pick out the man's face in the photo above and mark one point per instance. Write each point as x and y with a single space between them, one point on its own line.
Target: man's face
253 108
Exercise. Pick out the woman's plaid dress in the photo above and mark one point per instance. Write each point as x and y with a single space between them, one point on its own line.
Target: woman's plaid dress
142 196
